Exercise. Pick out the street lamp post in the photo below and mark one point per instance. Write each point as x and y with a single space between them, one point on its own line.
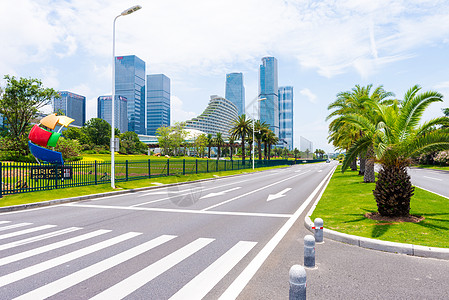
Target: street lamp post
124 13
258 116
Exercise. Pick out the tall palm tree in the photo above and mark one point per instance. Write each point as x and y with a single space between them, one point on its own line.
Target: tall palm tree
231 145
395 134
272 139
241 128
259 129
210 141
355 101
219 142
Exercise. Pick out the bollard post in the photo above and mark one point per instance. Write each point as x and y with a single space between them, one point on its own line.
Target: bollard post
318 227
298 283
309 251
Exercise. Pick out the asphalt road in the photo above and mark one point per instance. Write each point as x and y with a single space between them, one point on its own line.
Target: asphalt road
436 181
199 240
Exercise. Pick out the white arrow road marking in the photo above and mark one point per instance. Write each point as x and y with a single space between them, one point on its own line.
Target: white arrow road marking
319 171
278 195
220 193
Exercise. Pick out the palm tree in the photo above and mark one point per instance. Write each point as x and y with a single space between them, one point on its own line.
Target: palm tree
231 145
210 142
241 128
394 133
272 139
343 135
219 142
259 129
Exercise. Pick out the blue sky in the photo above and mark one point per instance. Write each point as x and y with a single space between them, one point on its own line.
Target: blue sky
322 47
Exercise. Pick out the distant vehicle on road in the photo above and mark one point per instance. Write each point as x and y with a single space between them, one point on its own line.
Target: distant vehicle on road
328 161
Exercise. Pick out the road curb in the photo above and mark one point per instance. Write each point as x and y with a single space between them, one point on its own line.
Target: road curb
386 246
107 194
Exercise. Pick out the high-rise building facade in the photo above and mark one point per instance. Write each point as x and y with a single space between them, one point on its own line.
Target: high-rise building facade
71 105
217 117
130 83
158 102
104 111
268 89
235 91
286 117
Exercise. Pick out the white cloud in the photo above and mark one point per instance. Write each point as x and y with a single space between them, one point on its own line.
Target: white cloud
311 97
178 114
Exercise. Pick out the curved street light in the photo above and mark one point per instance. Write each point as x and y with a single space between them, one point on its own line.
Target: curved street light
124 13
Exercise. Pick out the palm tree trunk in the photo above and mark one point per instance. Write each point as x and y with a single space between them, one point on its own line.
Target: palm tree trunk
362 166
368 175
354 165
243 149
259 146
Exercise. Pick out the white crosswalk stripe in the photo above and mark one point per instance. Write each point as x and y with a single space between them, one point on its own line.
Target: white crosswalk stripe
206 280
198 287
24 273
137 280
14 226
38 238
77 277
3 222
25 231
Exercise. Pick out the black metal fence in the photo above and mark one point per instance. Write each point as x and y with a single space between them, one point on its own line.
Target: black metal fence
29 177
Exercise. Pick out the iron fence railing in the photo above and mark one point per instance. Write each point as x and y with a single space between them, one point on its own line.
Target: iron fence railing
29 177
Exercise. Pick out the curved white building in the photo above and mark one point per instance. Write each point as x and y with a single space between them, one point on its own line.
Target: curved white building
217 117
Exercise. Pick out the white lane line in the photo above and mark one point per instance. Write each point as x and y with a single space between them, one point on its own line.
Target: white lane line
431 191
86 273
14 226
199 286
4 222
46 248
137 280
220 193
32 270
242 280
187 211
38 238
25 231
249 193
433 178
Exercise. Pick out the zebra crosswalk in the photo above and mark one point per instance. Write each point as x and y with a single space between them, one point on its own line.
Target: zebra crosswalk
32 259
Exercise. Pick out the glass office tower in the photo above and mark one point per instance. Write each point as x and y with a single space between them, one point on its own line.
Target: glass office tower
268 88
130 83
104 111
235 91
158 102
286 117
72 105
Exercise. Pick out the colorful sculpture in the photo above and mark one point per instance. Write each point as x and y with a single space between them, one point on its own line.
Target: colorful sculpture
41 137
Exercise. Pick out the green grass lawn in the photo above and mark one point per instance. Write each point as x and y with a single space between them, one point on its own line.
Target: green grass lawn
347 199
32 197
445 168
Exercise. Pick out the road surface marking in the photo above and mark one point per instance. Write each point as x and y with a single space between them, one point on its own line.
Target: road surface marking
187 211
220 193
431 192
50 247
137 280
242 280
199 286
3 222
38 238
86 273
251 192
278 195
433 178
25 231
14 226
40 267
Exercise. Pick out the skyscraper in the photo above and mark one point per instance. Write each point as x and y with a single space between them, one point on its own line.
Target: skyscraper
286 117
235 91
130 83
268 88
104 111
158 102
71 105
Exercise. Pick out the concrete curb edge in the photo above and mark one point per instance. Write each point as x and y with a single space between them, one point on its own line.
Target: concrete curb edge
386 246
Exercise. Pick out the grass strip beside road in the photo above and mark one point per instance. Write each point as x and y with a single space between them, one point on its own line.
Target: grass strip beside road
347 199
32 197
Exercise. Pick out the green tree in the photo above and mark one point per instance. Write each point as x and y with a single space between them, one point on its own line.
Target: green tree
70 149
272 139
219 142
296 152
200 144
210 142
163 138
231 143
74 133
178 136
259 129
241 128
395 134
130 143
19 103
98 132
